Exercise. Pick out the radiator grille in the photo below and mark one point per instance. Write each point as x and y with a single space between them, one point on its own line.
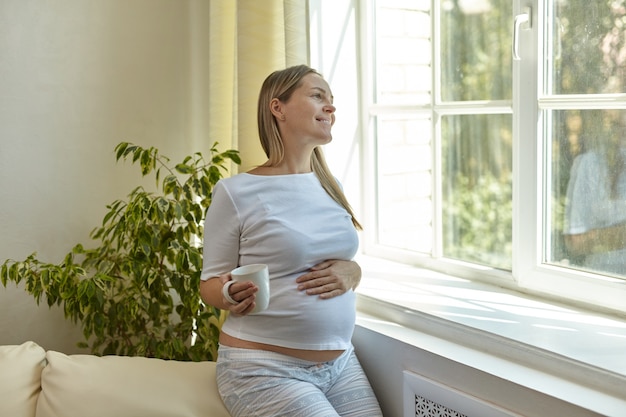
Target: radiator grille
424 397
427 408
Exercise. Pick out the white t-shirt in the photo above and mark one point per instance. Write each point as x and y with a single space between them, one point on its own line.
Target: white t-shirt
589 206
290 223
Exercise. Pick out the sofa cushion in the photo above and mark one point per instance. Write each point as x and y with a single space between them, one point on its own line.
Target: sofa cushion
118 386
20 378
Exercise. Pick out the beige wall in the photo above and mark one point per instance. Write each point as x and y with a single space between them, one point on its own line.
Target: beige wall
76 78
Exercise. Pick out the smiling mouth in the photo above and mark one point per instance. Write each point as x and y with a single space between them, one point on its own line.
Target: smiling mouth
325 121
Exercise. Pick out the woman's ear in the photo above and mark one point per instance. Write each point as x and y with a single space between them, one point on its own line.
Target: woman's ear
276 107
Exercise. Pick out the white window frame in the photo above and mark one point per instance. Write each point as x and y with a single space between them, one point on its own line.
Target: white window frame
529 270
529 273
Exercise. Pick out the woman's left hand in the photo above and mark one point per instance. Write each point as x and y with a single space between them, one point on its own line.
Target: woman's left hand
330 278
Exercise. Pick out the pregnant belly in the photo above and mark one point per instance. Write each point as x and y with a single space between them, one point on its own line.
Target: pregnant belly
307 355
297 324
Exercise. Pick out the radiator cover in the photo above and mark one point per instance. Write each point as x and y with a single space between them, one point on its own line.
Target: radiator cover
424 397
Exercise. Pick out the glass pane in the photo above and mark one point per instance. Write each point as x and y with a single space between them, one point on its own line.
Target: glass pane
403 51
588 190
476 50
587 52
405 182
477 190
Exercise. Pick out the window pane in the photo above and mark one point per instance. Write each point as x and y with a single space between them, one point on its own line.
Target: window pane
588 47
476 50
404 182
477 191
403 74
588 193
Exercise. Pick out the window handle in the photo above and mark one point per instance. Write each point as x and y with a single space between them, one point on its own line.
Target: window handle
521 21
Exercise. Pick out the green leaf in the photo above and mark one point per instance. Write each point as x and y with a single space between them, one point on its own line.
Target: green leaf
170 183
178 210
195 257
137 151
233 155
120 149
184 169
4 274
214 174
157 176
147 163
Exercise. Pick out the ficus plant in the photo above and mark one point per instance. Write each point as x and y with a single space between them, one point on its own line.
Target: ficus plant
135 293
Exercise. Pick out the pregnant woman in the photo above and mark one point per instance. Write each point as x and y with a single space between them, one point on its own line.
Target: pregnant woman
296 357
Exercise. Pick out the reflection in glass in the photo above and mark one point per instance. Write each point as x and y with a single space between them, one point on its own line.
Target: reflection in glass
476 50
587 52
589 190
477 188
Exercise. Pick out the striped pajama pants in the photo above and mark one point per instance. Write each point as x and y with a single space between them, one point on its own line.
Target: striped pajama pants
258 383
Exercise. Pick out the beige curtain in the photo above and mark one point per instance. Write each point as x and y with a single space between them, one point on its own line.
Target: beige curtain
248 40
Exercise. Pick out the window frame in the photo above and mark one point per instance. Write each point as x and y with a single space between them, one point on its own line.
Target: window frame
528 107
530 271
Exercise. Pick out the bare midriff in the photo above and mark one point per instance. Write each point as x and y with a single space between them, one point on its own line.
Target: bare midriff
307 355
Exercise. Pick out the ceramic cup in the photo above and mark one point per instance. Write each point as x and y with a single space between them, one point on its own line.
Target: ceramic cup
259 275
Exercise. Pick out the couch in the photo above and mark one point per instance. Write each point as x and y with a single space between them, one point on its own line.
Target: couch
39 383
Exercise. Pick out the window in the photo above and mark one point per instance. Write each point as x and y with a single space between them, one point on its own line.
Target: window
496 141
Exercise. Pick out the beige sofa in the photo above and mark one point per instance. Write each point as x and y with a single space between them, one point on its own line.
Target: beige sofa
36 383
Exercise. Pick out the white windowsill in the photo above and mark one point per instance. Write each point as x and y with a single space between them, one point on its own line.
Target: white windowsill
576 347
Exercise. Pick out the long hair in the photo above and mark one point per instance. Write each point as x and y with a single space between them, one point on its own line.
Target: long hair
281 85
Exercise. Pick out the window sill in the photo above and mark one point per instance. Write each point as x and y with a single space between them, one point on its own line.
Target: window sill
574 346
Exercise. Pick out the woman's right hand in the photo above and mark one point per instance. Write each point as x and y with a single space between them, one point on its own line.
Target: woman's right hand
242 293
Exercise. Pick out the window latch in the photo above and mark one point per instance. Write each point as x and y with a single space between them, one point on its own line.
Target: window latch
521 21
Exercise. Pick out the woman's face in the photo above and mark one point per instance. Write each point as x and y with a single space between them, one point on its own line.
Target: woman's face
309 114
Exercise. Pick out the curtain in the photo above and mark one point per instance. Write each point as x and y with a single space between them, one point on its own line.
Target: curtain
249 39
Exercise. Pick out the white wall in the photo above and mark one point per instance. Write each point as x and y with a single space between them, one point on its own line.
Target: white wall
385 356
76 78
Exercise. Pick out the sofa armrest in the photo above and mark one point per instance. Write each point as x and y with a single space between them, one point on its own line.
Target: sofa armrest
20 378
118 386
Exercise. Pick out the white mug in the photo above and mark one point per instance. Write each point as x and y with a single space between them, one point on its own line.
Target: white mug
259 275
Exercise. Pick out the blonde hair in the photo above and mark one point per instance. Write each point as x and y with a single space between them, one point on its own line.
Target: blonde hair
281 85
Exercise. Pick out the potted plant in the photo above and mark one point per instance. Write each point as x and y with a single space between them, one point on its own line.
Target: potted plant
136 292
